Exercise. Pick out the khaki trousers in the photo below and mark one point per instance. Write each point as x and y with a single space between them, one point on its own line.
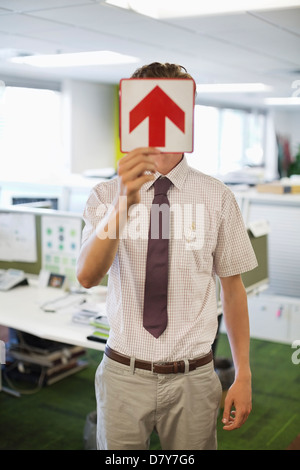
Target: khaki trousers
131 403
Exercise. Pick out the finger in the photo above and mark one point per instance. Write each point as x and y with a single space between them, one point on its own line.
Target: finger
136 184
235 421
138 153
136 165
227 410
128 173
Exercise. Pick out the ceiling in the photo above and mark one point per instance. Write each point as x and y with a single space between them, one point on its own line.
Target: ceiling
254 46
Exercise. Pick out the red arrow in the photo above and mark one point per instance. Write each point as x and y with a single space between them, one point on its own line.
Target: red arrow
157 105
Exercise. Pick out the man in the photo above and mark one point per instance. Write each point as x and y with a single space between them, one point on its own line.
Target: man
166 380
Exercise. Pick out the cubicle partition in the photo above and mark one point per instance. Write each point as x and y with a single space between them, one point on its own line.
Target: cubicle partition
34 239
258 279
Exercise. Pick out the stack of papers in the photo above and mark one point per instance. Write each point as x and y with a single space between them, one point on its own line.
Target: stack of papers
94 315
101 332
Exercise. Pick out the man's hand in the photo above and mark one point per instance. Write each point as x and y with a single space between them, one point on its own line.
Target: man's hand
235 309
134 170
238 404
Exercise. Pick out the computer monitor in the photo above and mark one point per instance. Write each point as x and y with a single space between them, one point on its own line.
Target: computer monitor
257 280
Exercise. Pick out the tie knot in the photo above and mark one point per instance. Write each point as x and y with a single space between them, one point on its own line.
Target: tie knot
161 186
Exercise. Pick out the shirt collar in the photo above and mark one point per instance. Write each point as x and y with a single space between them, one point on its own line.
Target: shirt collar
177 175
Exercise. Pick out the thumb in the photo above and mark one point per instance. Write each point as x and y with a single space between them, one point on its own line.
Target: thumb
227 410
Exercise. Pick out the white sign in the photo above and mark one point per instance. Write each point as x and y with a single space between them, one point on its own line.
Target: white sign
157 113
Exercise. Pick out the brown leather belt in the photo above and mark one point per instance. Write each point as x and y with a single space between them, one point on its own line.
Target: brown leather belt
159 367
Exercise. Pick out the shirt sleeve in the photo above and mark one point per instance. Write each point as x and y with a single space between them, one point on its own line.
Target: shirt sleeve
234 253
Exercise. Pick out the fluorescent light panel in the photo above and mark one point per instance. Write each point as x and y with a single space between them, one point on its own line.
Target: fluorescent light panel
75 59
289 101
232 88
176 9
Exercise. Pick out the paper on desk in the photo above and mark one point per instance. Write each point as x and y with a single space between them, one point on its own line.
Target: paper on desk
89 312
18 237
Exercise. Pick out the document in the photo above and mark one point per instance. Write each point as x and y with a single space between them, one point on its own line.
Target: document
18 237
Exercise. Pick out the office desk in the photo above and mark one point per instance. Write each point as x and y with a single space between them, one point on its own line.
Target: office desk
20 309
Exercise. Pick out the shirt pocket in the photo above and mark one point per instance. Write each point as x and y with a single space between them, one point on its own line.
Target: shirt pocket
194 259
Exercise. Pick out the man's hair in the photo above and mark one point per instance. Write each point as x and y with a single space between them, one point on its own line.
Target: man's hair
157 70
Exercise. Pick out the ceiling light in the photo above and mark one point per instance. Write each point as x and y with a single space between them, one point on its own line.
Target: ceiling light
290 101
175 9
75 59
232 88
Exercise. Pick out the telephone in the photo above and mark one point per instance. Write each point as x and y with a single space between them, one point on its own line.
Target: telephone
11 278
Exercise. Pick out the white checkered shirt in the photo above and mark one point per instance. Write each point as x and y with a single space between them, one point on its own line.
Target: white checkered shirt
214 241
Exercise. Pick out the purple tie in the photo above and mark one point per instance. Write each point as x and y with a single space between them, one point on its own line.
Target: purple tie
156 284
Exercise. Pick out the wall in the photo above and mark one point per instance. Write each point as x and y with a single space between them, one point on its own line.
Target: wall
89 125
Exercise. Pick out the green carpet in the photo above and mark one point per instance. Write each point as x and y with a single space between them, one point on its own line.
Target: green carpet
275 418
54 418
